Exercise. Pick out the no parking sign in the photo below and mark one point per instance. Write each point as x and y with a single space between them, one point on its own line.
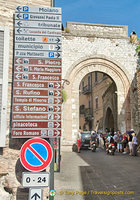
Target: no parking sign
36 154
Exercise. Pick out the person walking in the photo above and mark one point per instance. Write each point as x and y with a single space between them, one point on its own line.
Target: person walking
134 144
130 142
124 143
115 139
79 140
119 141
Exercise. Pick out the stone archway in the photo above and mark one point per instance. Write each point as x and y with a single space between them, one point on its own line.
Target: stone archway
75 75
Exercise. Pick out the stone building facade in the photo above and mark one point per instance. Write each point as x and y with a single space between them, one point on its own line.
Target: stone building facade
93 88
10 167
110 108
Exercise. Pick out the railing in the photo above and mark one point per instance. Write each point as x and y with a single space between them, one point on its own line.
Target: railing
88 114
86 89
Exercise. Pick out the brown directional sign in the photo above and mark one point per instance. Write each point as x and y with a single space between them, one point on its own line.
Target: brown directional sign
37 116
37 100
37 85
39 77
44 62
34 92
37 96
36 124
34 69
36 108
39 133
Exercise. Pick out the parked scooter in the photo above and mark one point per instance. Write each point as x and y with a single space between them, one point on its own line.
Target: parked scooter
93 146
111 149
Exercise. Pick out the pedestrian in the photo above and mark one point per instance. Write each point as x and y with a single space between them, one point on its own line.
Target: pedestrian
98 138
134 144
93 138
79 140
119 141
129 133
124 143
115 139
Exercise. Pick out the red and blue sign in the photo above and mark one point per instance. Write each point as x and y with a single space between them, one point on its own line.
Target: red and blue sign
36 154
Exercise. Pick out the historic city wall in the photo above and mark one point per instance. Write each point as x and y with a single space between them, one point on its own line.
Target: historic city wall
84 42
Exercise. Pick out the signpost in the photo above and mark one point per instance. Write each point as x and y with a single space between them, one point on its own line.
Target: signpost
36 110
37 94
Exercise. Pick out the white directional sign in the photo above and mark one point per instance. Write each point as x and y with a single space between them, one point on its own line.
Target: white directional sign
27 9
38 24
37 54
34 17
40 179
39 47
37 39
35 194
30 31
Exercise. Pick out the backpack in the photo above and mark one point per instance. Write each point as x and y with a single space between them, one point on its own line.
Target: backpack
111 140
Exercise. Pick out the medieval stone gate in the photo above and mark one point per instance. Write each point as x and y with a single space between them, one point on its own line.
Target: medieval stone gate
103 48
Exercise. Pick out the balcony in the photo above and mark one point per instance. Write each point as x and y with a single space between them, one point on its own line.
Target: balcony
86 89
88 114
82 109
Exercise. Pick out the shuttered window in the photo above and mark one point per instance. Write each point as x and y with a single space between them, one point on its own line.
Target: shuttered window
4 62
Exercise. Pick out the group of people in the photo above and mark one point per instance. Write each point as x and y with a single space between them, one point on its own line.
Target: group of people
124 143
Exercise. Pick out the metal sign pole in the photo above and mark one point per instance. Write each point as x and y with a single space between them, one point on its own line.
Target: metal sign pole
52 170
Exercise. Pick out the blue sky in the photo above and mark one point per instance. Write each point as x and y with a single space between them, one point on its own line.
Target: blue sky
114 12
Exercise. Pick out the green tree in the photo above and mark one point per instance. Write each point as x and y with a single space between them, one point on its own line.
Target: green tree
64 95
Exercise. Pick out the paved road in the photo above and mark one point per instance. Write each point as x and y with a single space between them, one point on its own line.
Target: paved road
84 174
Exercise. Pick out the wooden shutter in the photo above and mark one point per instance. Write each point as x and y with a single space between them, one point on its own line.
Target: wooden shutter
4 62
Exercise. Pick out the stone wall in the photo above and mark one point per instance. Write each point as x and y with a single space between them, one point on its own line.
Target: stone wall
77 46
88 47
138 102
97 30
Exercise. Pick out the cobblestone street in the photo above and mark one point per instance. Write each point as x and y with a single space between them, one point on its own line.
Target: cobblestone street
83 175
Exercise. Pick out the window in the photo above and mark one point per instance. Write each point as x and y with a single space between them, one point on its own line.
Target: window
96 76
4 62
96 103
89 81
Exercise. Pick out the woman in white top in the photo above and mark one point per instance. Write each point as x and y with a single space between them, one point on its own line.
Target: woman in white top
134 144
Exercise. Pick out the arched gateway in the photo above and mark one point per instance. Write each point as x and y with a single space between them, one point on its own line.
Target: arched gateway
71 106
104 48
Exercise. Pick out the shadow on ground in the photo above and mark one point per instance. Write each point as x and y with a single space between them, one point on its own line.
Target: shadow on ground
118 174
